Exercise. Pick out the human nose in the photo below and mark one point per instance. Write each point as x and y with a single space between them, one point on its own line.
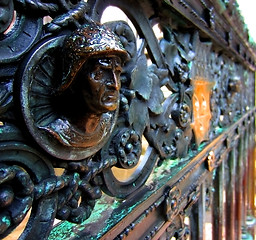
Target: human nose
114 81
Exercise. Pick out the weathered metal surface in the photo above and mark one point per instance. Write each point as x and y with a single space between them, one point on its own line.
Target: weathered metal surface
153 131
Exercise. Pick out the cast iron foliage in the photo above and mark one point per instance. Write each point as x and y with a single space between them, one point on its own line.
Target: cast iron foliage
31 68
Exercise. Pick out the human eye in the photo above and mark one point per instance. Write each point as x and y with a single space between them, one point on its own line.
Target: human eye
97 75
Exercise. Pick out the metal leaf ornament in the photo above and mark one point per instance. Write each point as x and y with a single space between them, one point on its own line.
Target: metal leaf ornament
157 97
142 84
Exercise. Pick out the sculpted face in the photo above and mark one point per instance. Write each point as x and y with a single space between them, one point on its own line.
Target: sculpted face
80 95
101 88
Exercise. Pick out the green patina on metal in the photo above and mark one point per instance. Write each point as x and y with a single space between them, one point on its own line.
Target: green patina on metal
6 220
219 130
109 211
100 208
119 213
68 230
111 222
63 231
104 214
169 168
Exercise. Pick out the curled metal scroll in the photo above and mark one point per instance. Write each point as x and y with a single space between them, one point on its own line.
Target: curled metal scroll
21 169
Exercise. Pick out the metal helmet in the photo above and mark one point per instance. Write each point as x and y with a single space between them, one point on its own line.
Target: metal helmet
90 40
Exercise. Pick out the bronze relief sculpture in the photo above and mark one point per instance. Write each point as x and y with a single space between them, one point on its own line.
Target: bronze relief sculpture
80 96
79 103
81 108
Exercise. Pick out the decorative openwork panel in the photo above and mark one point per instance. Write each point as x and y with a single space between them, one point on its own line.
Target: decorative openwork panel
125 120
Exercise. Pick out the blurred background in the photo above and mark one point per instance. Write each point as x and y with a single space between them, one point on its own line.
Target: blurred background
247 9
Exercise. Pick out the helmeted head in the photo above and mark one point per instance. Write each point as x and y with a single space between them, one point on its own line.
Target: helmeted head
92 40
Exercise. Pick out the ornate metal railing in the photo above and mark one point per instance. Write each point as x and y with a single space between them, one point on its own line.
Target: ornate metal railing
134 127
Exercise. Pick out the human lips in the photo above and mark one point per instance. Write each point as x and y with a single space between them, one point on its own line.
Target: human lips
110 96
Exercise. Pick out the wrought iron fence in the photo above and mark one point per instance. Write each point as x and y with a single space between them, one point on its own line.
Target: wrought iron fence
136 126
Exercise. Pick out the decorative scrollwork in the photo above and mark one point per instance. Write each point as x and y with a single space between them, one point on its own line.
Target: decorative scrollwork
26 30
21 169
164 122
126 145
80 96
16 195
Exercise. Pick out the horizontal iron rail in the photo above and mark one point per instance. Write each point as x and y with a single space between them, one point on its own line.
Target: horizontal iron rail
182 184
224 30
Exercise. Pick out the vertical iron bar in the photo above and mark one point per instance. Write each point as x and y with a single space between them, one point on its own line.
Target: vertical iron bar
218 204
231 196
246 170
251 169
250 217
197 218
239 189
